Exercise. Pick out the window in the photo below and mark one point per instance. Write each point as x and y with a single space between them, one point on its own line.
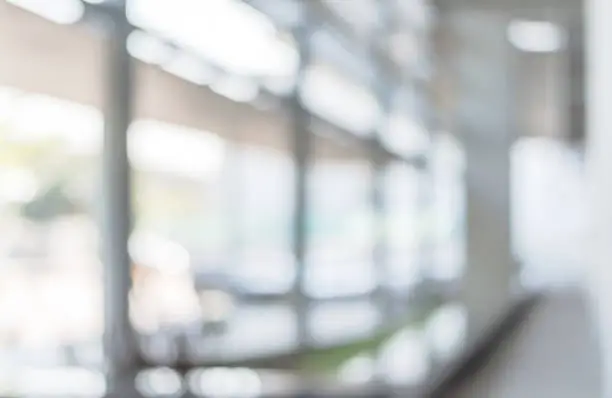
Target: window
548 210
447 224
182 225
266 183
403 225
341 231
51 296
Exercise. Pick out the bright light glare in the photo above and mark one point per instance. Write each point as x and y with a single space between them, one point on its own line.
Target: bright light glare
79 127
63 12
152 50
332 96
536 36
18 186
159 147
229 33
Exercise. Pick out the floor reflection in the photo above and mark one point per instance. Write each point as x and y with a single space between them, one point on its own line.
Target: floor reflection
260 330
350 342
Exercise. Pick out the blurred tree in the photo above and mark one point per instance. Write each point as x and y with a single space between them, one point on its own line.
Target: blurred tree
50 204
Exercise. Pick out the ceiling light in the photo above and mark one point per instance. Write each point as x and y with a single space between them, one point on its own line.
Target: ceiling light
63 12
536 36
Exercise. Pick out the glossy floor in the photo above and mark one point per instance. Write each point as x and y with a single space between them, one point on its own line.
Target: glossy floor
553 354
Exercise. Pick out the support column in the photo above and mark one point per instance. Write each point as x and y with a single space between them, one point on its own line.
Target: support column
598 169
482 68
576 57
120 343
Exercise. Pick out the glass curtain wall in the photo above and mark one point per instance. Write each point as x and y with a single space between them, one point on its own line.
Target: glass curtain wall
51 294
217 274
342 233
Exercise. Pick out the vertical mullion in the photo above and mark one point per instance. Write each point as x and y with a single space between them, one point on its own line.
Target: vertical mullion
302 153
426 200
120 343
379 159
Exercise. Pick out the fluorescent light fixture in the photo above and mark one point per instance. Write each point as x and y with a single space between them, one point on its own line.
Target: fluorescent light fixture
190 68
536 36
280 86
229 33
63 12
236 88
147 48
